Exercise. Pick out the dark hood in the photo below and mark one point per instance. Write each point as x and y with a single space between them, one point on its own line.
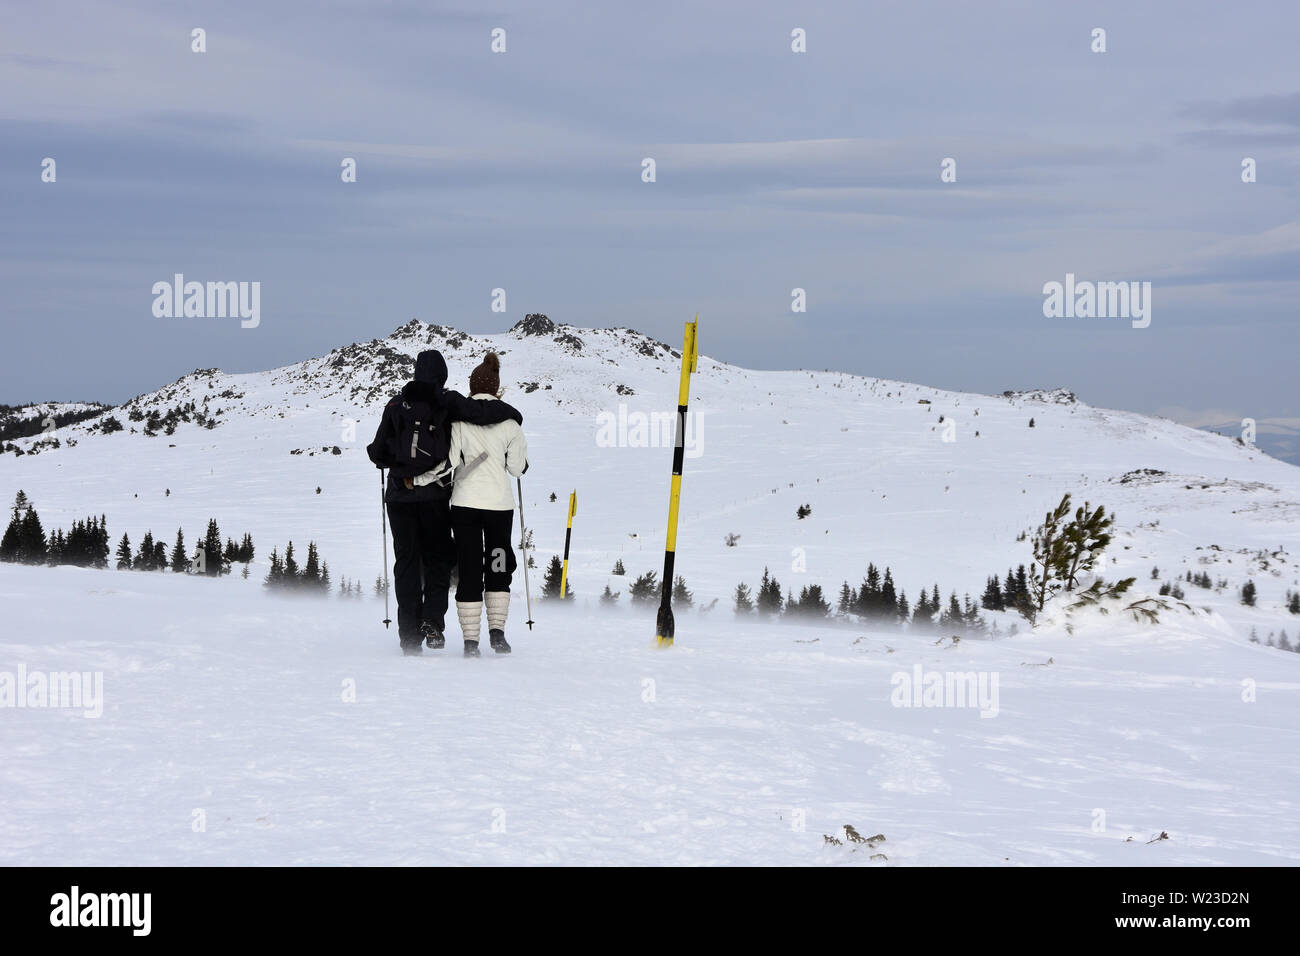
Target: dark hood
431 368
430 377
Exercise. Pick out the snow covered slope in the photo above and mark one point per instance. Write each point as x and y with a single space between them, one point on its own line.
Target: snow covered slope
302 737
239 728
868 455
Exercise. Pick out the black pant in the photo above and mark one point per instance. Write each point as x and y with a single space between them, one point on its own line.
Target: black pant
423 553
485 557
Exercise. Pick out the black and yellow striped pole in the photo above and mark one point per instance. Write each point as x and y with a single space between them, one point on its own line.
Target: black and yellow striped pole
664 624
568 535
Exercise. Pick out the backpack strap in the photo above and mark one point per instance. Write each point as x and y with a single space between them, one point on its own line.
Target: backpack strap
469 466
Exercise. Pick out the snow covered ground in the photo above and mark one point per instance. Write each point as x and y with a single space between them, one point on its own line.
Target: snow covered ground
229 733
747 743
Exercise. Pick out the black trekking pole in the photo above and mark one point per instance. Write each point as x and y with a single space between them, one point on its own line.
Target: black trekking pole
523 548
383 524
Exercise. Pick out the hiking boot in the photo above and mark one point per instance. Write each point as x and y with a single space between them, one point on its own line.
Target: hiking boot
432 635
497 638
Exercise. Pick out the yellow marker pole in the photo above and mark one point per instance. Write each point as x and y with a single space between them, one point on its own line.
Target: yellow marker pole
568 534
664 624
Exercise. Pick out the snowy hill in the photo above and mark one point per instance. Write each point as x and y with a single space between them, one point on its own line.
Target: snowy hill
304 738
869 456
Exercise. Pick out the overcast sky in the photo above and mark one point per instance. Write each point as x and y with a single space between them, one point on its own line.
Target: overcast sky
775 170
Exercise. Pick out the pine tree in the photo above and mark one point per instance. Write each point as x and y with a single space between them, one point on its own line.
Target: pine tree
923 612
769 596
1051 553
992 597
812 603
291 572
213 561
179 562
551 580
681 596
275 576
159 555
33 548
1294 604
609 597
231 553
904 611
744 602
888 600
12 535
869 602
100 552
848 599
325 577
310 574
124 553
144 558
645 589
618 567
1248 594
54 555
951 618
1085 539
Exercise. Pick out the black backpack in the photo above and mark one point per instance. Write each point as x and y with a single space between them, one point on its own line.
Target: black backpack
416 442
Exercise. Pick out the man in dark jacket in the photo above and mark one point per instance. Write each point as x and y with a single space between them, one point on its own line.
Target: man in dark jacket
420 516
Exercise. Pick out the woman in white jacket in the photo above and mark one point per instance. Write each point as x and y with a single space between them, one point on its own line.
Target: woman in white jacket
482 512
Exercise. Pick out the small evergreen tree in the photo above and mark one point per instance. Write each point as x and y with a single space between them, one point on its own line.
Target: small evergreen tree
744 602
213 553
32 546
812 604
681 596
179 562
609 597
1248 594
551 581
1051 553
769 596
992 597
645 589
291 570
618 568
275 576
952 619
848 599
124 553
1085 539
309 577
144 558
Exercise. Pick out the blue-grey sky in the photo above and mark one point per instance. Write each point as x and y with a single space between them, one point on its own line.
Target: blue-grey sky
775 170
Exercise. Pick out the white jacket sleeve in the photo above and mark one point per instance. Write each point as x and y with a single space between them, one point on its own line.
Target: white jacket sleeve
517 452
